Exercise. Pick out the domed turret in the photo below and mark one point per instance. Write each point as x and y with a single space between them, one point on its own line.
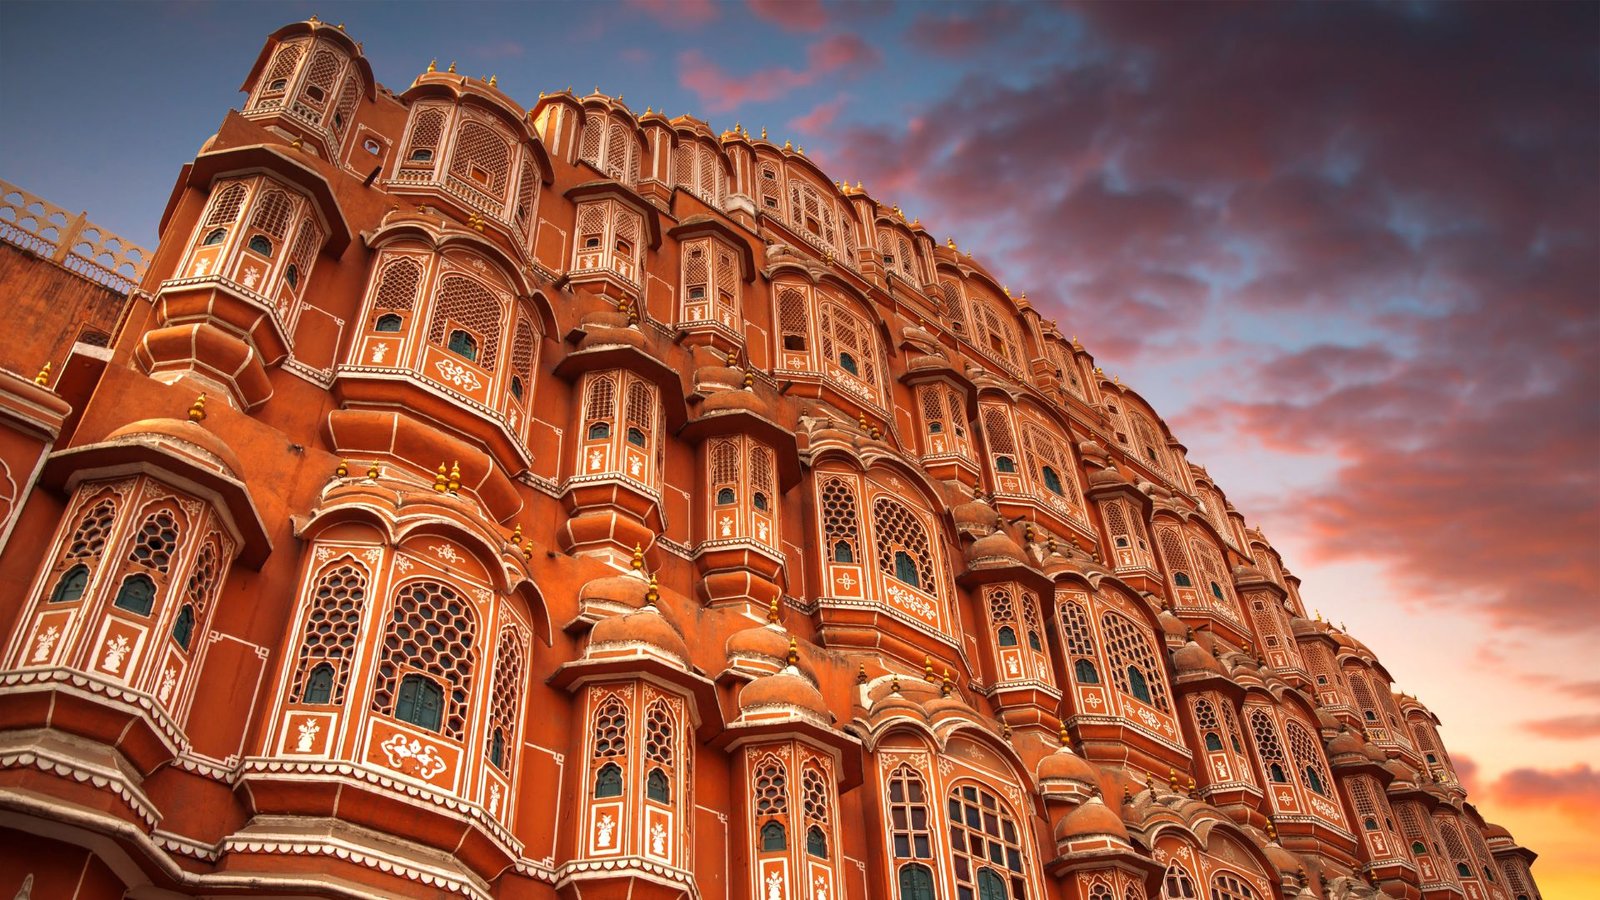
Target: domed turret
1092 819
644 630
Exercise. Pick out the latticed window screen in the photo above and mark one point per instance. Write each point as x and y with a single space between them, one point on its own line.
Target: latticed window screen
954 308
599 404
621 151
1128 646
203 576
761 469
1075 622
225 208
908 815
524 350
1153 453
1177 557
349 96
397 286
527 191
984 836
897 529
1268 746
659 729
1048 449
594 135
306 242
155 542
509 669
332 626
641 413
844 332
464 302
1117 523
282 69
1228 886
1457 848
1308 759
482 157
1205 718
815 804
1002 606
611 728
794 319
840 519
427 131
1176 884
431 631
89 538
324 69
273 211
999 337
769 789
1232 723
725 465
1369 814
1363 695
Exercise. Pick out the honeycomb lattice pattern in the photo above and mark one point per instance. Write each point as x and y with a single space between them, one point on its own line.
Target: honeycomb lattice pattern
431 631
332 628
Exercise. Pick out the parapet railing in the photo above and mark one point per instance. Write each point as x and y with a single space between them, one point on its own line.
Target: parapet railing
70 241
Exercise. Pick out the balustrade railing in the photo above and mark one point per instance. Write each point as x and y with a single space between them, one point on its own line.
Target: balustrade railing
70 240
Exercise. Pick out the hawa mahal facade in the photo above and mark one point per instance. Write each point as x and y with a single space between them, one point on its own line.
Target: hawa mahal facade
474 501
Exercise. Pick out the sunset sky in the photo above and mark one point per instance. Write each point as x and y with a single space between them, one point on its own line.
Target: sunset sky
1350 251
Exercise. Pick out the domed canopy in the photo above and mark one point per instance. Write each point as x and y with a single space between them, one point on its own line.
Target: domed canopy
184 437
1065 765
995 549
1091 819
621 590
1192 658
769 641
785 689
646 627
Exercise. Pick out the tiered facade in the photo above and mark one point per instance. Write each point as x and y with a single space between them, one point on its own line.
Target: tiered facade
570 502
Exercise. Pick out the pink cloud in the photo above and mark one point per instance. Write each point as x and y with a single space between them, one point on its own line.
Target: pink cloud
1574 791
1566 728
677 13
820 118
721 91
793 15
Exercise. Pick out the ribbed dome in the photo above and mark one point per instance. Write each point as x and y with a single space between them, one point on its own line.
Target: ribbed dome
1091 818
1065 765
1172 626
1345 742
174 433
1191 657
736 399
995 549
646 626
769 641
973 513
782 689
625 590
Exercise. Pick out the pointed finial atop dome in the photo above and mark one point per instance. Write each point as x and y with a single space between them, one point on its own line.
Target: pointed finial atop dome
452 69
654 593
794 652
788 145
763 132
638 558
1066 739
455 476
894 684
372 471
433 64
197 412
927 669
441 481
772 613
494 80
861 673
946 685
343 469
43 378
516 534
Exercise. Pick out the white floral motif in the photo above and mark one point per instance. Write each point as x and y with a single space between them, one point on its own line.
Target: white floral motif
774 886
403 564
201 266
323 553
446 553
169 680
373 554
911 601
820 891
47 642
845 580
251 276
494 799
726 524
604 828
116 652
457 375
399 748
658 839
308 733
595 460
379 351
635 466
761 530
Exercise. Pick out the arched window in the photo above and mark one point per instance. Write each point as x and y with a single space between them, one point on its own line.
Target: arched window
1006 636
770 790
463 345
656 786
848 340
292 275
1268 746
816 842
1213 741
916 882
136 595
636 437
419 701
905 569
848 363
432 630
328 640
516 386
1005 464
1181 579
427 130
608 781
983 832
260 245
183 626
842 552
1052 481
1083 670
908 815
319 685
506 701
1307 757
759 501
599 431
71 585
397 289
1227 886
773 837
497 748
1128 647
904 550
841 527
1137 685
725 496
1176 884
214 237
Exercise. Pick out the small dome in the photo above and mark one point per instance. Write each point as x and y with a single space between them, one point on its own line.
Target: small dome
1172 626
1106 476
769 641
646 627
1403 774
1492 830
1065 765
994 550
622 590
1282 859
1343 743
736 399
1091 818
184 437
1192 658
783 689
974 514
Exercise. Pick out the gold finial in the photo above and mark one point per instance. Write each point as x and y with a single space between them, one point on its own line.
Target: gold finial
1150 784
1127 796
861 673
343 470
946 685
763 132
43 377
340 26
455 476
372 471
736 128
1172 778
788 145
494 80
1008 290
527 549
654 593
638 558
441 482
951 243
927 669
749 380
733 358
1065 738
314 20
861 420
541 95
197 412
772 612
894 685
619 98
801 151
648 110
1193 788
794 653
858 185
452 69
1272 831
917 222
433 65
516 534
